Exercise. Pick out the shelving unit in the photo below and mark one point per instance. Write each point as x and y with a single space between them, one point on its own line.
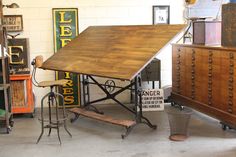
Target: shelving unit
5 100
6 118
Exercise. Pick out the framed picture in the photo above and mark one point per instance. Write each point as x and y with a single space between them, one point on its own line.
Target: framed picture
161 14
13 23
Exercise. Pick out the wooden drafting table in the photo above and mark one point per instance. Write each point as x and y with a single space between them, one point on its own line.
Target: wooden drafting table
117 52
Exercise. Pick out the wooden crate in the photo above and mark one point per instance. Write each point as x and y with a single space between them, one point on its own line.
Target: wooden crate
22 94
228 25
207 32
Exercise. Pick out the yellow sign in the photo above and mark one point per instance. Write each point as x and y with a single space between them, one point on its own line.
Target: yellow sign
65 22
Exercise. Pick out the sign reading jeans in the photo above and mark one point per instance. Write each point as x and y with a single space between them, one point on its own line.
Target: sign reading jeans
65 28
152 100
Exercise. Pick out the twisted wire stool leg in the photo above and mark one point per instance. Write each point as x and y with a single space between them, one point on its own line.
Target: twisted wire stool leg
50 112
64 116
42 118
64 113
57 119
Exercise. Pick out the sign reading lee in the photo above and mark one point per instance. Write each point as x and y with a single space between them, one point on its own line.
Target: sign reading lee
65 21
152 100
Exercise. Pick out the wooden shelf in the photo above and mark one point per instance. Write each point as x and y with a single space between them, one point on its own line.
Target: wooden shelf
93 115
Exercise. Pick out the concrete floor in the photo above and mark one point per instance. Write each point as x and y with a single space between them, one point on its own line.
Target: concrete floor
97 139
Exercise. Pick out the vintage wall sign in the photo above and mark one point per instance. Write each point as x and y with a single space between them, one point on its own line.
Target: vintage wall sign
13 23
19 56
152 100
65 21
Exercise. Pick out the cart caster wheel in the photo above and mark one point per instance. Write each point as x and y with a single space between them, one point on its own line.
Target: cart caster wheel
154 127
224 127
32 115
123 136
8 130
133 108
181 107
72 120
11 123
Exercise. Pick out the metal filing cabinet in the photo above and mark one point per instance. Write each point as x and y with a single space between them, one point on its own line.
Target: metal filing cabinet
152 72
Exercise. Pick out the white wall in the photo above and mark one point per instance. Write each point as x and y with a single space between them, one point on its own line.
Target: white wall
37 17
207 8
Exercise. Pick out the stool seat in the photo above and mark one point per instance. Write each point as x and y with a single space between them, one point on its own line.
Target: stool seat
53 83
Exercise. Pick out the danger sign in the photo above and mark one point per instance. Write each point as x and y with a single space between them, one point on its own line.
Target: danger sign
152 100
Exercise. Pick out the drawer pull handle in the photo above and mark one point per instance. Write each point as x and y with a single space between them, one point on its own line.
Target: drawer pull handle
230 110
231 56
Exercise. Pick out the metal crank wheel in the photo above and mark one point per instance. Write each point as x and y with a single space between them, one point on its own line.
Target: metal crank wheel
110 85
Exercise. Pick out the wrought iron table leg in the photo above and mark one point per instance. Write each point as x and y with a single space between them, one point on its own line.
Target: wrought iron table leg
93 108
128 130
147 122
150 125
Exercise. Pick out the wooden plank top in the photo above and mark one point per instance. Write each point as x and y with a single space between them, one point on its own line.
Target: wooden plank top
119 52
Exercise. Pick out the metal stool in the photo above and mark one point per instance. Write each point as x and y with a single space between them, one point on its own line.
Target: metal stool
52 99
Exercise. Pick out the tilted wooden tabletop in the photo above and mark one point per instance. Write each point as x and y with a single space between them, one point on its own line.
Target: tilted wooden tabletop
119 52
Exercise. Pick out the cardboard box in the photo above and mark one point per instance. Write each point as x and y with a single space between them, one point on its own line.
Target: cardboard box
207 32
